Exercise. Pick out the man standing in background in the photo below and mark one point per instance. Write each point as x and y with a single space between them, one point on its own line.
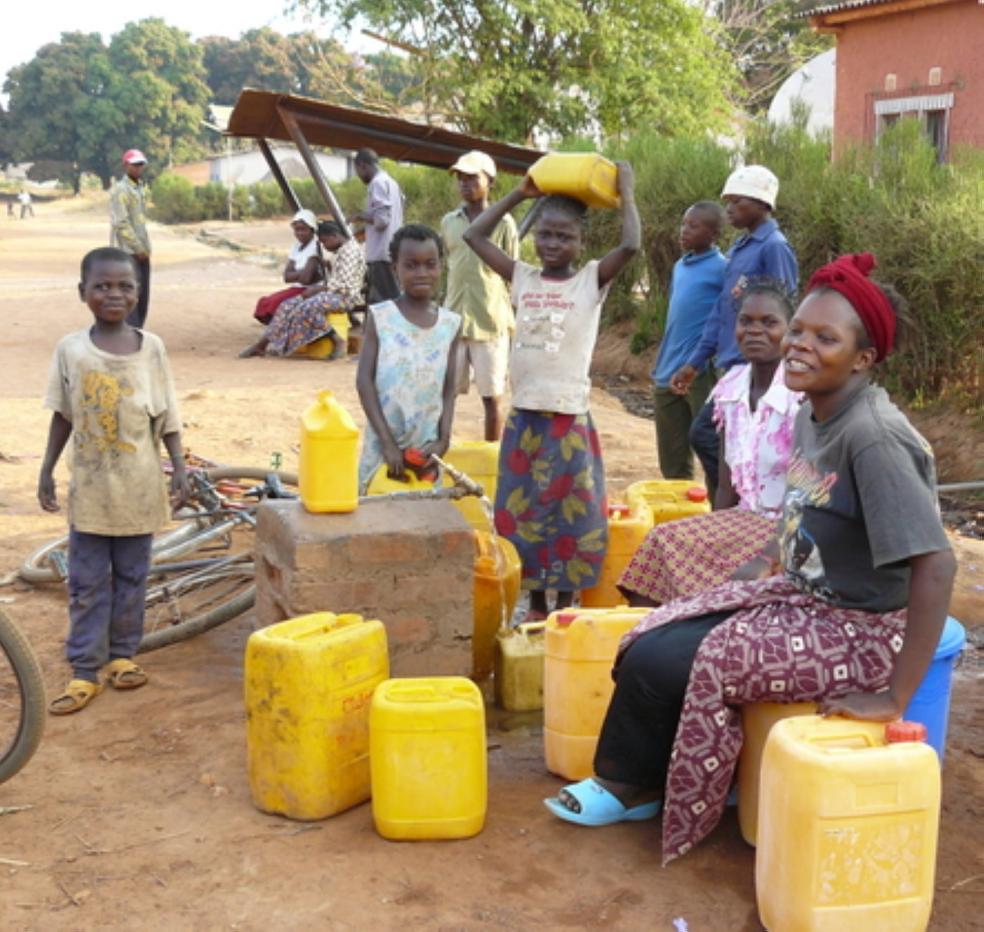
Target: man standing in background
128 219
477 293
383 216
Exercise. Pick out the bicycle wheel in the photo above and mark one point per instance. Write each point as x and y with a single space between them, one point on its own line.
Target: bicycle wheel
190 598
22 699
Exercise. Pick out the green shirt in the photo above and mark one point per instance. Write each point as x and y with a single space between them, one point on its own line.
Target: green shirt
128 216
475 292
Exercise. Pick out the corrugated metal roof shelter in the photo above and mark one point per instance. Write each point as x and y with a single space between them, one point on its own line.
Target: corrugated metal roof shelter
263 115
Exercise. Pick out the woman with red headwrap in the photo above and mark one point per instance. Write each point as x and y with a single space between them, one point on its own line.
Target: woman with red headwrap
845 608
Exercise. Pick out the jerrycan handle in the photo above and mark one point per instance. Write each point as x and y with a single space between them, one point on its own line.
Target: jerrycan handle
531 627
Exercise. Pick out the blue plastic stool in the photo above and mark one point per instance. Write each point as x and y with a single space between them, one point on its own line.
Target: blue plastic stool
930 704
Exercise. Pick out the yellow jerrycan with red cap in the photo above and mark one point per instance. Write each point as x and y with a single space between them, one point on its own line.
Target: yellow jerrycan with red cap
847 826
580 645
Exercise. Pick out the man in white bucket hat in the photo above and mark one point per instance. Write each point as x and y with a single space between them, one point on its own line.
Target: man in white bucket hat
477 293
761 251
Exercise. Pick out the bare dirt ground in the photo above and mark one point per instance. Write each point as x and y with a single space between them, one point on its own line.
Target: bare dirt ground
140 814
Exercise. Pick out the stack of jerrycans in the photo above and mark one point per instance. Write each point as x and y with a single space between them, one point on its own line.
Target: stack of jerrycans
581 645
309 682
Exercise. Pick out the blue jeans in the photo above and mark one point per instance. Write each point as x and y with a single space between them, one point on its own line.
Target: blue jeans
706 443
107 582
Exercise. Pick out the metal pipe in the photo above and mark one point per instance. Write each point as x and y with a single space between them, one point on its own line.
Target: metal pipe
961 486
290 121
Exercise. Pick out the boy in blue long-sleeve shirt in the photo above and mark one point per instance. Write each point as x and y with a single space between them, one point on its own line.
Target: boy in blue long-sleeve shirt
695 286
750 196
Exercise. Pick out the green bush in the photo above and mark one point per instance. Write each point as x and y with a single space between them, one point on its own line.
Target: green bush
174 200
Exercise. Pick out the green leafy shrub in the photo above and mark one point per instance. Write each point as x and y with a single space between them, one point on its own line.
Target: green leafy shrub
174 200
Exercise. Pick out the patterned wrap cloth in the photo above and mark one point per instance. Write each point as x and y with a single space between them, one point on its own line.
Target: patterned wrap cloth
550 498
780 645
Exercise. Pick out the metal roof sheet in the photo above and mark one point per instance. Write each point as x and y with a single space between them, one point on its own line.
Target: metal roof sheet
260 114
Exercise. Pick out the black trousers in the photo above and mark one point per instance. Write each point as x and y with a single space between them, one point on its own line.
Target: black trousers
139 314
383 285
707 445
650 682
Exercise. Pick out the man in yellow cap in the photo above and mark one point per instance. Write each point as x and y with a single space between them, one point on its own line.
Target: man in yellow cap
477 293
128 219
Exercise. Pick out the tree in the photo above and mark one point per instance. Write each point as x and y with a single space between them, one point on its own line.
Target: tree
505 68
768 41
83 104
49 99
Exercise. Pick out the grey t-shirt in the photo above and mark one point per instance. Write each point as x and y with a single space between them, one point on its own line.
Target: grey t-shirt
860 501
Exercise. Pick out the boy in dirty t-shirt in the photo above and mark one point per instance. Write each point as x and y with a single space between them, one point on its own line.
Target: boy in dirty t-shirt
110 390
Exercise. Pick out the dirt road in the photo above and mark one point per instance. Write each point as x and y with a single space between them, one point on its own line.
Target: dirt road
140 815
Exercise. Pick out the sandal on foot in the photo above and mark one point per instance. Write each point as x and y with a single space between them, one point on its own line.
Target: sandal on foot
77 695
123 673
598 806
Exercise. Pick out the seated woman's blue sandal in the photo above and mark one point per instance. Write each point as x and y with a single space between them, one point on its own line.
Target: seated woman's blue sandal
599 807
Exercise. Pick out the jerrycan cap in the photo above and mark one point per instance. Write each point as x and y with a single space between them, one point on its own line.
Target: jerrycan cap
618 510
414 457
564 619
902 731
696 494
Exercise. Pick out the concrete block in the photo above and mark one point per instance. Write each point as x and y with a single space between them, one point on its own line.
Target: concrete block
410 564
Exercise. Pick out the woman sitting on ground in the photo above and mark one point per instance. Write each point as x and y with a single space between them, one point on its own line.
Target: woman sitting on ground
852 622
754 412
307 317
303 266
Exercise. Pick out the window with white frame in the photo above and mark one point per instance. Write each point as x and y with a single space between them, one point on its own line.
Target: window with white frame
932 110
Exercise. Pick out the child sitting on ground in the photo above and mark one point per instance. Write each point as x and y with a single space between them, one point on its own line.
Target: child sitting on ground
110 389
406 377
550 498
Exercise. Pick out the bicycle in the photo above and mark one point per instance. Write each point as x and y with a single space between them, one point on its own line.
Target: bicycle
22 699
186 597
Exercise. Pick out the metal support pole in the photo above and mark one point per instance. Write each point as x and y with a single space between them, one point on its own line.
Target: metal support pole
314 167
278 175
531 216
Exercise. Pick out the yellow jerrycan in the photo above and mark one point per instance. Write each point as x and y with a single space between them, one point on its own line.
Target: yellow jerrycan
479 460
495 591
667 499
587 176
329 464
427 758
757 719
626 531
848 819
519 667
308 684
579 647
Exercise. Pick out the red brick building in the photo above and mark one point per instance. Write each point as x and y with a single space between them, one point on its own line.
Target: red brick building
895 58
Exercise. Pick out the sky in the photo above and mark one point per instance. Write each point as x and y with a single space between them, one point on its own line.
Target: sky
20 40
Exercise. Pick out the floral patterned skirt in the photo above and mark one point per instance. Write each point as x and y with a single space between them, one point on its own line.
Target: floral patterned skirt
300 321
550 499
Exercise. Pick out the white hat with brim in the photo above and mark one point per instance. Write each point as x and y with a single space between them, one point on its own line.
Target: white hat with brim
755 181
307 217
471 163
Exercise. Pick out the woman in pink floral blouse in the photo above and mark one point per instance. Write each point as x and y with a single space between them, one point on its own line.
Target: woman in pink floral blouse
754 412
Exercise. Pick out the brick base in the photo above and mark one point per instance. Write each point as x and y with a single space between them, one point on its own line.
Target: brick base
409 564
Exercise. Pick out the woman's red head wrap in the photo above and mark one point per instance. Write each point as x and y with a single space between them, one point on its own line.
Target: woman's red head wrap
849 276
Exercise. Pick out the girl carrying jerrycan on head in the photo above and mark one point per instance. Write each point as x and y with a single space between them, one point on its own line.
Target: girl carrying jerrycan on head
550 499
406 376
